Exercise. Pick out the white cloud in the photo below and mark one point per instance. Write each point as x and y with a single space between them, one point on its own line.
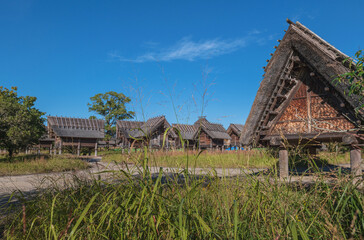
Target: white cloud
189 50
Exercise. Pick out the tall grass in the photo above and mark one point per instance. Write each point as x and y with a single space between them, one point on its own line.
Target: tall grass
185 206
215 159
205 159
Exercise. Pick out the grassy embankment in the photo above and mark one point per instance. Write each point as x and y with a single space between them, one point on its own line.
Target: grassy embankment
192 208
31 164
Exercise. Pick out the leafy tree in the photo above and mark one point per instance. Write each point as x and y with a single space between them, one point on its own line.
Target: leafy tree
21 125
355 77
111 106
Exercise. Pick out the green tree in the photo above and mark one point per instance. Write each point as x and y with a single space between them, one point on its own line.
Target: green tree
111 106
21 125
355 77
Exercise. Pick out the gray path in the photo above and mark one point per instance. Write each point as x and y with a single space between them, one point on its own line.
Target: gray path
98 170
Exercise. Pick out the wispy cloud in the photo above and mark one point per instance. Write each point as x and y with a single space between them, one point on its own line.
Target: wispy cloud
187 49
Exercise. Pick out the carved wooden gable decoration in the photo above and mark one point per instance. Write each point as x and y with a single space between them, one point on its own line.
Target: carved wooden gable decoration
298 97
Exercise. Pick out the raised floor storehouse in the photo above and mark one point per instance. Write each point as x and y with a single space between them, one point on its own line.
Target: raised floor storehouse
234 131
75 133
298 101
151 133
210 135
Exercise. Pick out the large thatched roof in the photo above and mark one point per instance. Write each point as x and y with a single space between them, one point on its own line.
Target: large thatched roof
299 44
77 127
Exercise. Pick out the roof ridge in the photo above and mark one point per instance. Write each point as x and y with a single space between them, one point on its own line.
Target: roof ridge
321 41
73 118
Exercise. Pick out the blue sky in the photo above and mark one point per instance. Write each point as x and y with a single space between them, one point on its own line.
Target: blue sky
163 54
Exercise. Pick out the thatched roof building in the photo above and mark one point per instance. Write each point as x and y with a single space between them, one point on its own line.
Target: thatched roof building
298 96
76 127
75 132
187 133
152 130
298 100
234 131
209 134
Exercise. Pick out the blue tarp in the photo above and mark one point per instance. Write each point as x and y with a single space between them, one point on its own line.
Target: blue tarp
233 148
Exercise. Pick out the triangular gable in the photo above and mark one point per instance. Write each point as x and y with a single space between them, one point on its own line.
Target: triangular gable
298 95
235 128
213 130
152 124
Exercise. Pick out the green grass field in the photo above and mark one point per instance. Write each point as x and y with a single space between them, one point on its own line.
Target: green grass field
32 164
185 207
205 159
227 159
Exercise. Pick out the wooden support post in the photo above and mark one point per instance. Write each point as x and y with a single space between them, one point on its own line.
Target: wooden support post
79 147
96 149
283 163
60 148
355 162
50 149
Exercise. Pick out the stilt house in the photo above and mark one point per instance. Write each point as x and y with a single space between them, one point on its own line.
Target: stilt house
126 130
149 133
210 135
188 133
234 131
75 132
298 101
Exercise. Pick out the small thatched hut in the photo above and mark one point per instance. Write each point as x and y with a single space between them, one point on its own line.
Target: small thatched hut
234 131
210 135
151 132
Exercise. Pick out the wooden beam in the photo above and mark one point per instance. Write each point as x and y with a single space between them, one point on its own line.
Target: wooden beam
355 163
349 139
275 141
79 147
333 135
309 118
96 149
283 164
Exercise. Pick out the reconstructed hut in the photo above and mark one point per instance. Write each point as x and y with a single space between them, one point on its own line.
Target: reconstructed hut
188 133
234 131
299 103
150 132
126 130
75 132
210 135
